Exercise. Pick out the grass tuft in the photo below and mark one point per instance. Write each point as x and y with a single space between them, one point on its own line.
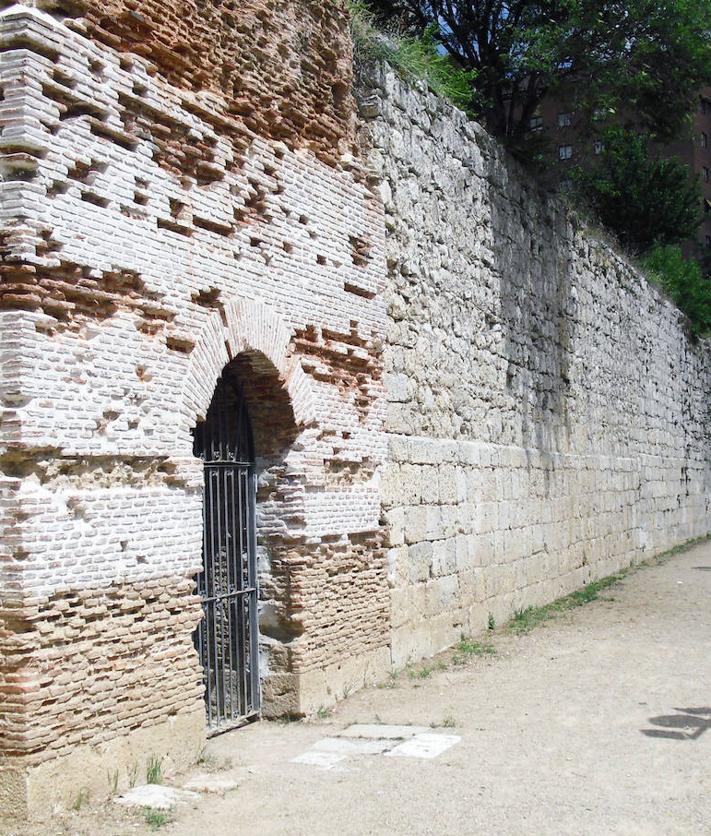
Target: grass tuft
211 763
467 648
156 819
413 58
81 799
390 682
425 671
448 723
525 619
113 779
154 771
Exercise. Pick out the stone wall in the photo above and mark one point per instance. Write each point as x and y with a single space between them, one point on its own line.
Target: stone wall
187 188
161 219
547 414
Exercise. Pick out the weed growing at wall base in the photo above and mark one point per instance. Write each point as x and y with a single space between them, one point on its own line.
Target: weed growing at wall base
425 671
154 771
525 619
211 763
156 819
81 799
466 649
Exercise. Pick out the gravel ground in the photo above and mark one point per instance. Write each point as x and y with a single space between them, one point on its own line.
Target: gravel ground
596 722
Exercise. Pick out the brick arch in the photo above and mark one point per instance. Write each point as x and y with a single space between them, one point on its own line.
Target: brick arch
252 343
247 327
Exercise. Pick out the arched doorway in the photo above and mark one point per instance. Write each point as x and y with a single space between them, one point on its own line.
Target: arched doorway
227 638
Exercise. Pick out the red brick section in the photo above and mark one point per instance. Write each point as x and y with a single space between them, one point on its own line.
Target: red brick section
97 663
356 370
281 68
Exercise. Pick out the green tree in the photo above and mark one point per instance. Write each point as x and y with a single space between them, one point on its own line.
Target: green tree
647 58
645 201
685 283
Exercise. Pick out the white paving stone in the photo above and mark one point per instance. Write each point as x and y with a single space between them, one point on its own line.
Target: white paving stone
425 745
156 796
326 760
385 732
344 746
208 782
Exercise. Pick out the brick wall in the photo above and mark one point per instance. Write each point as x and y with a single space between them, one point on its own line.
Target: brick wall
164 217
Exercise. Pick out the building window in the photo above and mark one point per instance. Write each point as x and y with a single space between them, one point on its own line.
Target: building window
599 114
707 207
535 123
705 106
566 185
708 242
705 174
598 146
565 120
704 139
565 152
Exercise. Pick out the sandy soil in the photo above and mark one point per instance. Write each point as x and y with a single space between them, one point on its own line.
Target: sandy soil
598 722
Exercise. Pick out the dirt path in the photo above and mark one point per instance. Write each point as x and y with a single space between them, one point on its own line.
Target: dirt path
598 722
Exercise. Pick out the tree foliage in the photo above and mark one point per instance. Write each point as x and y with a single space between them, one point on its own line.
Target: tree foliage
644 200
685 283
646 58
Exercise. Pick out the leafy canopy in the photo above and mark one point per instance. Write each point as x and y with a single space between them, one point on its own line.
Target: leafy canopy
646 58
685 283
646 201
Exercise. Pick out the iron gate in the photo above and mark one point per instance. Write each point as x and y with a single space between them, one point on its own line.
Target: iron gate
227 638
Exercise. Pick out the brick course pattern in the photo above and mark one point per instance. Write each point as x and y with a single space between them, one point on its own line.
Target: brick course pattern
547 414
179 193
462 402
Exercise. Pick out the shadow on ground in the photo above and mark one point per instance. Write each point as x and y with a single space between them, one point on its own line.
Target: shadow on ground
693 722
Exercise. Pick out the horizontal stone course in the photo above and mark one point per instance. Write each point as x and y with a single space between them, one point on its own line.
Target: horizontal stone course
546 409
462 402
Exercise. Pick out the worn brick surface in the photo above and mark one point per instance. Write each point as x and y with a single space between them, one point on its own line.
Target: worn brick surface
179 194
462 402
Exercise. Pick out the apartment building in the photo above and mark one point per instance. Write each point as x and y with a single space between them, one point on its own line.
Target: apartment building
576 138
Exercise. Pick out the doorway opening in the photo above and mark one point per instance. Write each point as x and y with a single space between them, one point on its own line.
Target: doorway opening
227 639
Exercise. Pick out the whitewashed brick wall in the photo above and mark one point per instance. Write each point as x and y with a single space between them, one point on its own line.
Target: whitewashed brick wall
134 270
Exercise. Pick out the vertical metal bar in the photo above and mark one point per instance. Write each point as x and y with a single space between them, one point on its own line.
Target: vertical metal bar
234 587
200 583
216 552
207 538
214 702
219 572
228 480
240 637
246 569
229 609
244 602
253 615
